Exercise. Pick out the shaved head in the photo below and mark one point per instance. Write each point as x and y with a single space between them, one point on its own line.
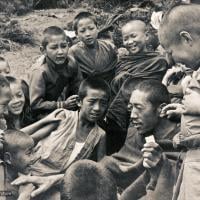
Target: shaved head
178 19
134 24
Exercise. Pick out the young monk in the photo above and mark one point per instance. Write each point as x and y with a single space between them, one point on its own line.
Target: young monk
179 35
57 74
140 63
94 56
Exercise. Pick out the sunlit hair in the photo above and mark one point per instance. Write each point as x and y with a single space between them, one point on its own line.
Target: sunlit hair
157 92
87 180
96 83
15 139
83 15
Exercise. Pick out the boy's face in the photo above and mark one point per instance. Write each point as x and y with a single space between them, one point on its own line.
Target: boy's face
57 49
87 31
94 105
16 104
134 37
144 115
5 97
23 158
4 68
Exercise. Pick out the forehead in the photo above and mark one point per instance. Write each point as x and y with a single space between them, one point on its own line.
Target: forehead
16 86
85 22
96 94
26 144
139 97
55 39
134 26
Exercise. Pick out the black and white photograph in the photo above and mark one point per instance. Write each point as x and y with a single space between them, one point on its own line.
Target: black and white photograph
99 99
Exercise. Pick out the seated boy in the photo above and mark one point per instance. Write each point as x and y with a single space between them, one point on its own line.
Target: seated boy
139 64
78 136
17 156
179 34
94 56
58 74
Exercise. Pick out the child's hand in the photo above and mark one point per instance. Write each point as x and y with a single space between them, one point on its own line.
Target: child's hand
173 110
71 102
25 191
175 70
52 117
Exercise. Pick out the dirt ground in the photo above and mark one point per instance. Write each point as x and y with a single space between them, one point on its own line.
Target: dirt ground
22 57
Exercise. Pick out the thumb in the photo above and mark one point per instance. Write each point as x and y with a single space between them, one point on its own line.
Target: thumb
39 191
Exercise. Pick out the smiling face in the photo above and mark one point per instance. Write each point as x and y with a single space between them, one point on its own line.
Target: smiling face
87 31
56 49
144 115
16 104
94 105
134 36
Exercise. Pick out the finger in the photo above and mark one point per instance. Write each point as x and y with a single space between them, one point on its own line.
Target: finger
151 145
38 191
147 155
171 106
150 163
21 180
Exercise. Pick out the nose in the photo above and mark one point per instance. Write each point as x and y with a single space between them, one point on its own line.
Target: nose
60 51
87 33
96 106
130 41
134 114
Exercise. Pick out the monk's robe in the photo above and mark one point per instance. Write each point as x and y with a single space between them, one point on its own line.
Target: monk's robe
100 61
126 166
143 65
130 70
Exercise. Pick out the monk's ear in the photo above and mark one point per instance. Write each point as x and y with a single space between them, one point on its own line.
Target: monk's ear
79 102
8 158
160 108
42 50
186 37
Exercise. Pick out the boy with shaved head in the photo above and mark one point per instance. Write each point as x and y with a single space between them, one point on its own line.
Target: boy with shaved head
182 42
139 63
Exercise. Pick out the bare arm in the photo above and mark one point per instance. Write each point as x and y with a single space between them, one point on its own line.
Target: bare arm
44 132
49 119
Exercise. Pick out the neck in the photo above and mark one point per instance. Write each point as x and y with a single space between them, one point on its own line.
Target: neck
53 65
163 128
92 46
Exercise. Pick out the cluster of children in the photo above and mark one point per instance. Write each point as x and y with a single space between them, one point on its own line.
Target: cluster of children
78 105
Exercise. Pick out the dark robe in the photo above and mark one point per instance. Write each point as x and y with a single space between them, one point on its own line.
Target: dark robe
136 179
130 70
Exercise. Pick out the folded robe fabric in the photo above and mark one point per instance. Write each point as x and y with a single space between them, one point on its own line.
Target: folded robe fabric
147 65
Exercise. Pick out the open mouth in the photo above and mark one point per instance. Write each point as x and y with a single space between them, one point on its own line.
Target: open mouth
17 106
